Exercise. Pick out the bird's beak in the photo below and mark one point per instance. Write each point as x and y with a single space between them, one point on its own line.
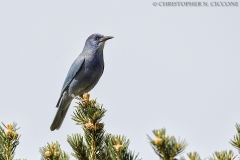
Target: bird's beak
105 38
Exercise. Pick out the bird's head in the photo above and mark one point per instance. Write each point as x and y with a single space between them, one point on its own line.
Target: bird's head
96 41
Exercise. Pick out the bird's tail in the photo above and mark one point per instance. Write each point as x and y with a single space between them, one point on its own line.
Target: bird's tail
63 105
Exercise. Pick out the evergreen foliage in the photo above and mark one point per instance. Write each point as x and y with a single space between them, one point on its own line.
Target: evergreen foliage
96 144
224 155
194 156
117 148
166 147
53 152
236 139
9 139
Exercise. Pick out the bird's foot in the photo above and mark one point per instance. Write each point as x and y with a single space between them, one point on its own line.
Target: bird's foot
77 97
80 98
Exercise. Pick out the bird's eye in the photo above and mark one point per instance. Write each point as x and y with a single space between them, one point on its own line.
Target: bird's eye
97 38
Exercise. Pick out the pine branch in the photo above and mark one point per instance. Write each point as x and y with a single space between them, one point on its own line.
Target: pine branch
9 140
224 155
118 148
79 147
53 152
89 114
194 156
236 139
166 147
95 144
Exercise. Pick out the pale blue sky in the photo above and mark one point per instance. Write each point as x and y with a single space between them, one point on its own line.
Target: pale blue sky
172 67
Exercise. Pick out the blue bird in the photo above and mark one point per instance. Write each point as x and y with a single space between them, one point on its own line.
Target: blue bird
82 76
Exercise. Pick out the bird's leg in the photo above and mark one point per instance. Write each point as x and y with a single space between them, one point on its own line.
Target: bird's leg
77 97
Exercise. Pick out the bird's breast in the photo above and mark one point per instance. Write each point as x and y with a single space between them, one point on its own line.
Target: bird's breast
94 63
88 76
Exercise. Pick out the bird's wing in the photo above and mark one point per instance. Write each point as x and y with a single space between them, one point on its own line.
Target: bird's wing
74 69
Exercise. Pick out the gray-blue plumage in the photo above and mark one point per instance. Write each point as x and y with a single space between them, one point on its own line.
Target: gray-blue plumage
82 76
